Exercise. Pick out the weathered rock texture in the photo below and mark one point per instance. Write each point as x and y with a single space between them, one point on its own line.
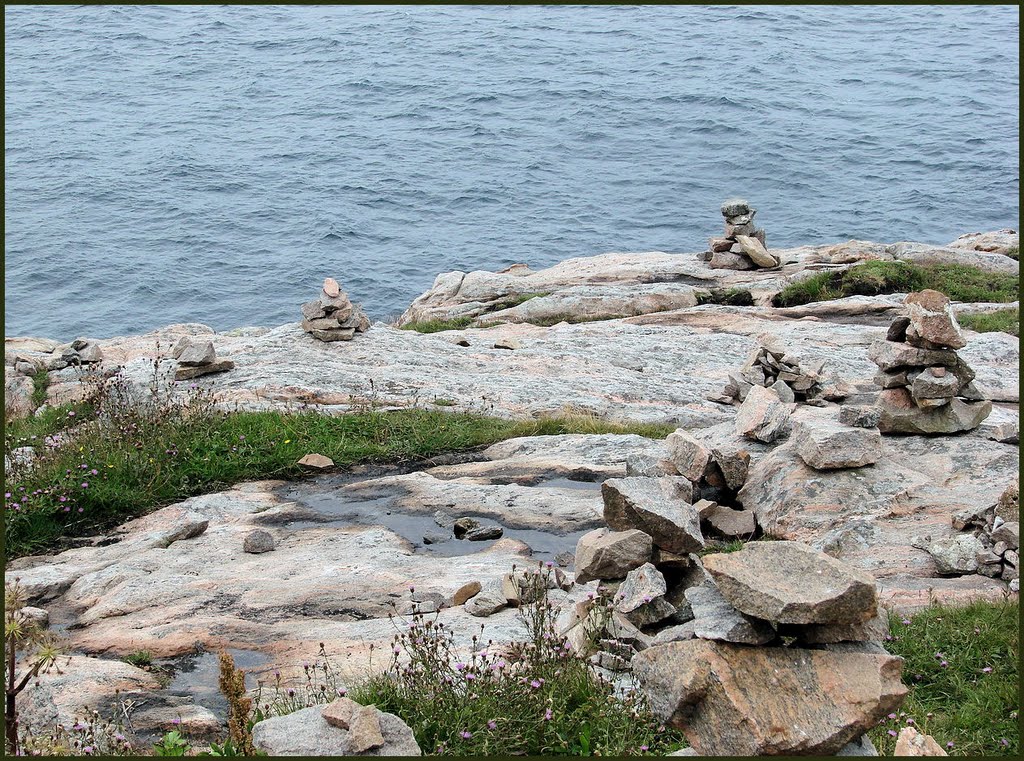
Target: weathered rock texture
333 317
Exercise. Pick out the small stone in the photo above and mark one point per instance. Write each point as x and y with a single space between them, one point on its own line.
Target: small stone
335 334
659 507
891 356
313 310
317 461
762 416
364 731
331 287
91 354
488 601
913 743
786 395
465 592
830 446
188 373
726 260
758 253
859 416
898 330
257 542
1009 534
735 207
507 343
36 616
435 537
862 746
932 319
714 618
641 598
604 554
463 526
338 713
688 454
955 555
734 523
198 355
677 633
484 533
183 343
928 386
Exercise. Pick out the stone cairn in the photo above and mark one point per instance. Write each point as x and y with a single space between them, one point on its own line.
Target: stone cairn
707 637
926 386
197 359
771 366
743 246
332 317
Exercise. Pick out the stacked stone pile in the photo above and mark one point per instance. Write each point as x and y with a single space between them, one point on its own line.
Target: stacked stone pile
82 352
989 543
743 246
197 359
927 387
332 316
793 379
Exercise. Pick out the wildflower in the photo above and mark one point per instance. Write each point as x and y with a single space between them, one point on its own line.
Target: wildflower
398 651
644 748
459 666
944 664
94 472
905 622
1004 742
87 750
892 732
647 598
535 684
910 722
987 670
547 715
176 721
470 677
949 744
85 484
287 441
72 414
465 735
892 716
492 724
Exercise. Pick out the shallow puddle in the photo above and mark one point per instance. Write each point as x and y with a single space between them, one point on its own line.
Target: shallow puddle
198 676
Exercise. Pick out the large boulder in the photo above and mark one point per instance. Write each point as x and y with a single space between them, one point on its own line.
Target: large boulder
763 416
604 554
791 583
308 733
828 445
751 701
899 414
660 507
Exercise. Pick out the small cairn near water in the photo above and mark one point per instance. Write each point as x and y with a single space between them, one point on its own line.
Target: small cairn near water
196 359
332 317
794 380
927 387
742 247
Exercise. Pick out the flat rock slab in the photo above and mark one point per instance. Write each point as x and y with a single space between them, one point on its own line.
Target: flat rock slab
749 701
659 507
307 733
791 583
715 618
899 414
827 446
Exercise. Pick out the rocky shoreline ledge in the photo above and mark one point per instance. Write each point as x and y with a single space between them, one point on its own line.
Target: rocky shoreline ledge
630 341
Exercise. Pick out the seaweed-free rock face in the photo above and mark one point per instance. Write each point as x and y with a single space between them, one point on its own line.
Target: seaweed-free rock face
791 583
659 507
603 554
751 701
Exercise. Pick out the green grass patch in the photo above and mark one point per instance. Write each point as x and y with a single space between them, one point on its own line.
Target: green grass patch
40 382
100 464
961 664
573 319
437 326
1014 252
739 297
959 282
1005 320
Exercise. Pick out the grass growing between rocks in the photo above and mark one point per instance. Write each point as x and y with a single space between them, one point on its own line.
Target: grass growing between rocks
100 463
437 326
959 282
534 697
1005 320
739 297
961 664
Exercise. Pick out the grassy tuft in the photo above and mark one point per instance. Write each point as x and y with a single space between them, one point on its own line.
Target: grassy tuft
959 282
1005 320
98 464
961 664
40 382
437 326
1014 252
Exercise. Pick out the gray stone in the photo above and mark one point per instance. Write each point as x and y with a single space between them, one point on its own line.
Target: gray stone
726 260
336 334
677 633
791 583
735 207
463 526
435 537
688 454
489 600
956 554
1009 534
729 522
602 554
753 248
197 355
316 461
313 310
859 416
890 356
786 395
659 507
188 373
307 733
827 445
641 598
862 746
928 386
484 534
873 630
258 541
932 320
714 618
762 416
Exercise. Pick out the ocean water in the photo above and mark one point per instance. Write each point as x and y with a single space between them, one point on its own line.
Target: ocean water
213 164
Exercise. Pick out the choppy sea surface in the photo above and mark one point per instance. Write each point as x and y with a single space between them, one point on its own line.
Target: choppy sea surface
213 164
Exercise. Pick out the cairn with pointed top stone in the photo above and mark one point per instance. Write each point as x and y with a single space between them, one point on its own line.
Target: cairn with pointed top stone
742 247
196 359
332 317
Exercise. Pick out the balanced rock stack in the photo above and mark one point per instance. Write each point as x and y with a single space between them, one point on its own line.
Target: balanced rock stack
332 317
927 386
743 246
794 380
196 359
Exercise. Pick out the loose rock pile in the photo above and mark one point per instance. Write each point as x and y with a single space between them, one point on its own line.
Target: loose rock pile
927 386
990 544
742 247
82 352
332 317
794 380
196 359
